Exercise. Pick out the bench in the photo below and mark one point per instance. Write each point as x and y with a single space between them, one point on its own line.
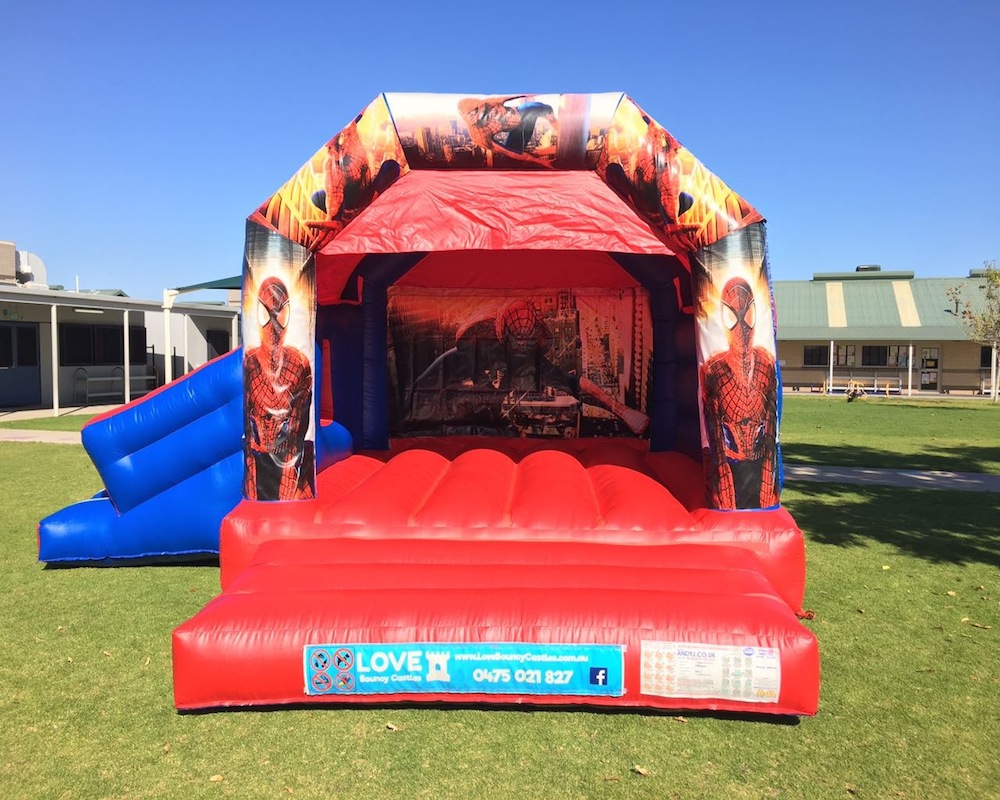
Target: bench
112 387
863 386
948 388
796 386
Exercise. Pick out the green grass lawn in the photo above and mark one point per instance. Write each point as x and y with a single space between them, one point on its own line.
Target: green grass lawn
69 422
905 585
895 433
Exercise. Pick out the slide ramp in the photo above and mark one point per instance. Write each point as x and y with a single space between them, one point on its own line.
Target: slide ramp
172 465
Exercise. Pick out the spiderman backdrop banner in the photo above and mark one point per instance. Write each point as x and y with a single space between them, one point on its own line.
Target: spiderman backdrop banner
279 295
738 372
559 363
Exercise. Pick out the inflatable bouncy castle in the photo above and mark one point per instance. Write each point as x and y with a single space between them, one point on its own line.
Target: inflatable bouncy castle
508 429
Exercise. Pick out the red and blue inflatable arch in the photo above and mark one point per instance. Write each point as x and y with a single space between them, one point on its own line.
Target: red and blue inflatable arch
480 198
548 340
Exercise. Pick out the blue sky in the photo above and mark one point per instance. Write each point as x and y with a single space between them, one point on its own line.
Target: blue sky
137 137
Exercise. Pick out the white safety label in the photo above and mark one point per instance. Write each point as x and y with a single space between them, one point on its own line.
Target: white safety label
703 671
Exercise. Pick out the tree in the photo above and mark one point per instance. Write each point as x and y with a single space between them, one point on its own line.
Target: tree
983 323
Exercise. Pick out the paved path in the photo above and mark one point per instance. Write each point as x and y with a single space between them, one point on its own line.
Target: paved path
909 479
49 437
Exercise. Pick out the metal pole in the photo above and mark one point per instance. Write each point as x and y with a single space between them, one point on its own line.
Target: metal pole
185 364
55 359
829 382
128 360
909 372
169 295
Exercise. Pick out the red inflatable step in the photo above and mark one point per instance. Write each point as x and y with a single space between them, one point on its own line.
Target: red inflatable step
498 623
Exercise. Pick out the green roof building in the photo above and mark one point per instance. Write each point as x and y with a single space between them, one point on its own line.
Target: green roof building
885 331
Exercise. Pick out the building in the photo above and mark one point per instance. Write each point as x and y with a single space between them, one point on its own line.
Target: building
883 331
63 348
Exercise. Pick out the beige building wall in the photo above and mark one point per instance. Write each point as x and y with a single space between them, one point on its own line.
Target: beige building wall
794 374
958 367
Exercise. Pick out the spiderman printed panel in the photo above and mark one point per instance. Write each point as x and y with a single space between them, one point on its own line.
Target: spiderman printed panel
279 295
339 182
671 189
559 363
520 131
738 372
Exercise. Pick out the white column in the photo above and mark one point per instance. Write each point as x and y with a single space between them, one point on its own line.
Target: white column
829 382
168 367
186 363
55 359
169 295
234 333
128 360
909 372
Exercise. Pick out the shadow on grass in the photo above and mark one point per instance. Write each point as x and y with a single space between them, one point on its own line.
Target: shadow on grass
932 457
526 707
939 526
147 561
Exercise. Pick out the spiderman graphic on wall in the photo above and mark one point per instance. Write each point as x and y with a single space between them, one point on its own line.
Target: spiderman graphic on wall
653 185
739 392
349 185
280 462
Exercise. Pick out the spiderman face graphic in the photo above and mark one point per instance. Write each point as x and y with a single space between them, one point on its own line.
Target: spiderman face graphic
272 313
488 115
739 314
519 326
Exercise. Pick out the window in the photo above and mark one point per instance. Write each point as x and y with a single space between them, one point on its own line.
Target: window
846 355
76 346
815 355
109 346
27 345
100 345
218 342
6 346
874 355
985 357
136 345
899 356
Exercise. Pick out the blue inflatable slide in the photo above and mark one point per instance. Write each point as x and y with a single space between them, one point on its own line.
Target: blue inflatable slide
172 466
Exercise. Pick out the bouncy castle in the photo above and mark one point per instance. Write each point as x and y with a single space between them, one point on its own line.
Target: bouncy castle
503 429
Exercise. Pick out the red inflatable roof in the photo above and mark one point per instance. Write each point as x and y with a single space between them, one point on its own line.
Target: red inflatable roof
437 172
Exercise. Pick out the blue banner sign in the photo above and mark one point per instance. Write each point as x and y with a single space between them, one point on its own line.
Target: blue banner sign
465 668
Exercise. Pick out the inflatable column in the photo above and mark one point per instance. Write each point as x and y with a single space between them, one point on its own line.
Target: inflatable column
279 301
739 387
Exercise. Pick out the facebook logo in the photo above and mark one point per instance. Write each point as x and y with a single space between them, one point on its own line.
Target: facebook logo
598 676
